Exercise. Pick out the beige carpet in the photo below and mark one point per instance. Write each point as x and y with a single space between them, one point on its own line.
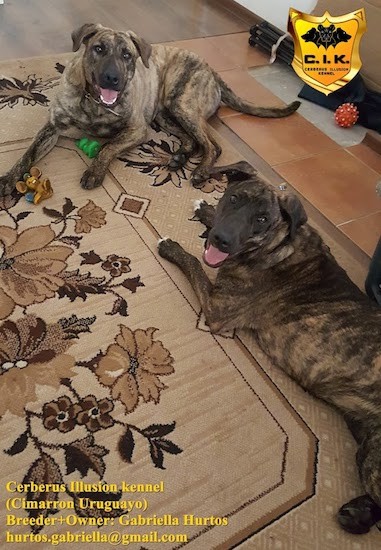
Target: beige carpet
108 373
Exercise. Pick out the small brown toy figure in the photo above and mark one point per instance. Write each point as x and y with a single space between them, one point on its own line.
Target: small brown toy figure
34 188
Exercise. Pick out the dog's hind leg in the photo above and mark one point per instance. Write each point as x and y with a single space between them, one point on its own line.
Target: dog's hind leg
358 515
217 146
369 463
210 151
187 147
198 129
361 513
44 141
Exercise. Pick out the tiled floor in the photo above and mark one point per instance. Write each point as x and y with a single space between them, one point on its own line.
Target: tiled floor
284 82
281 140
364 231
338 180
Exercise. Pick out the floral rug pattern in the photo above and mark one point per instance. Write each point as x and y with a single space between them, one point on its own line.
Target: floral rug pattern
153 158
33 269
28 91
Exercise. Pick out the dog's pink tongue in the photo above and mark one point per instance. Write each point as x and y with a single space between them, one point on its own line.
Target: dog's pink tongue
109 96
213 256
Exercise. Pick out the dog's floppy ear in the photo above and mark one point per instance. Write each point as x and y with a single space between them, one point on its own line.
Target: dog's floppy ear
293 212
83 34
143 47
240 171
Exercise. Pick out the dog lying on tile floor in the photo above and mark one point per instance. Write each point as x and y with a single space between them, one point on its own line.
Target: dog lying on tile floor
279 279
117 84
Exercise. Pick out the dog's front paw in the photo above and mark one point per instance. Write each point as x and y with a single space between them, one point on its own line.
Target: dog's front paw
7 185
204 212
198 206
91 179
170 250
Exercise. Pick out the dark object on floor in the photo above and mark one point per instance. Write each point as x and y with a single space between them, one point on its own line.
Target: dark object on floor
373 281
367 102
266 35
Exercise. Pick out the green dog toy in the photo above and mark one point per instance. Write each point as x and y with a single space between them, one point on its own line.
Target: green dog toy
90 147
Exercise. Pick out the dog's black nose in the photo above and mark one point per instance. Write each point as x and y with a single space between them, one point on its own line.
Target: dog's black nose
110 80
221 240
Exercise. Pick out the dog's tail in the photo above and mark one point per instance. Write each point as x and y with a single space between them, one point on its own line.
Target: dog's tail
232 100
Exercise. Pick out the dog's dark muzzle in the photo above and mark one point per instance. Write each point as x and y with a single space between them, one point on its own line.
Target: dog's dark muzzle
109 76
109 82
221 238
222 241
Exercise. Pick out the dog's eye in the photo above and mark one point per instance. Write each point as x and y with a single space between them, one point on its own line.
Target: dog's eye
98 48
126 55
233 199
262 219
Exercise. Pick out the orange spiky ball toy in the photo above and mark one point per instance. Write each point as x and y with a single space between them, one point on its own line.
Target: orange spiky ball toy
346 115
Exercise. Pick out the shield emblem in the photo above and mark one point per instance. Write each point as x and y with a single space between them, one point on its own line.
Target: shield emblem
326 49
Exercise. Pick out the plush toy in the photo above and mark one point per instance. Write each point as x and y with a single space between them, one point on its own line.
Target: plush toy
90 147
346 115
34 188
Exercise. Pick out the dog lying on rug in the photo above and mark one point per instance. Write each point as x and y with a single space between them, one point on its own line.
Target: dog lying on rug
117 85
279 279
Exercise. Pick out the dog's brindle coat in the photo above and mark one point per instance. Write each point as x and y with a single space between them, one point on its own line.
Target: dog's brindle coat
173 86
280 280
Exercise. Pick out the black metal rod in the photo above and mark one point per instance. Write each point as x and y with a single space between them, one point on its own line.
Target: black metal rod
266 35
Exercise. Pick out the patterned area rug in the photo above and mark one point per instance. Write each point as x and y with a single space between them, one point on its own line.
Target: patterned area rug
123 420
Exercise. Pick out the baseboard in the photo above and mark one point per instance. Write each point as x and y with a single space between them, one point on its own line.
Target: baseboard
373 140
240 11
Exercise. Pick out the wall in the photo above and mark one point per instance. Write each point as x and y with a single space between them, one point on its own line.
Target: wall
276 11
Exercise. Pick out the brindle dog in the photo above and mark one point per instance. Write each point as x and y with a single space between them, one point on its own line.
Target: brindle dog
278 279
117 84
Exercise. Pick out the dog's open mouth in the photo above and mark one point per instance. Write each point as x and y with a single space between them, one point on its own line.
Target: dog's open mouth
108 97
214 257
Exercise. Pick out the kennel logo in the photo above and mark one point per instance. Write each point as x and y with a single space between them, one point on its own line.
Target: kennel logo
326 49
